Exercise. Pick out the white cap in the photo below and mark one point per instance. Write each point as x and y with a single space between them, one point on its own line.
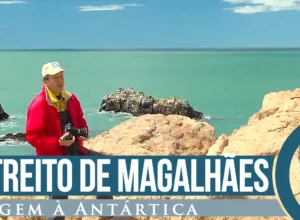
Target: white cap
51 68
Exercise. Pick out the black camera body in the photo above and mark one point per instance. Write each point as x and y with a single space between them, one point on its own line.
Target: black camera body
73 131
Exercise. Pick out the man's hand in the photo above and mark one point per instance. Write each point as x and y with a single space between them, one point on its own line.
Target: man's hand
83 138
64 142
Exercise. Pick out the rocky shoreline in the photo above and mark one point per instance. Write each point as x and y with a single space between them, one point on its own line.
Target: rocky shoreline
178 135
137 104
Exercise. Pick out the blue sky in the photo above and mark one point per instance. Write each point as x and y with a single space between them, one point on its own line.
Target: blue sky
155 23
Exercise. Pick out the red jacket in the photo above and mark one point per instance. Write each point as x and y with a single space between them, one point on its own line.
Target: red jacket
43 124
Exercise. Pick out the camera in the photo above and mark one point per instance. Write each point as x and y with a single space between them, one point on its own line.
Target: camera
73 131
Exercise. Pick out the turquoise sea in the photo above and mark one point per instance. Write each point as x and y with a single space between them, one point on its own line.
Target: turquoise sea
227 86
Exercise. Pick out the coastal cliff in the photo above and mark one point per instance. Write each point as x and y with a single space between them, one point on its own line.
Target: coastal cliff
159 134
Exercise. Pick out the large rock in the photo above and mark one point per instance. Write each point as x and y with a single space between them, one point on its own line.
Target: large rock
156 135
266 132
3 114
13 137
267 129
137 103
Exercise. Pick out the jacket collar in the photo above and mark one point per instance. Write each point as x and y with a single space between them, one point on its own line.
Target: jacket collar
51 98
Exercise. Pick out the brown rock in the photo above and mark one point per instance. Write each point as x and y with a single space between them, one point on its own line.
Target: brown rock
264 137
267 130
283 101
219 146
156 135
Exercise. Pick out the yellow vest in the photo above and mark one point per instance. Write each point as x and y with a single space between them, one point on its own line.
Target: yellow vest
60 104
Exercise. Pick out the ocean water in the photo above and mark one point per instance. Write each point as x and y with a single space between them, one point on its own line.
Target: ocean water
227 86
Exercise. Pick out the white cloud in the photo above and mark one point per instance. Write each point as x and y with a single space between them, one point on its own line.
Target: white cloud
106 7
258 6
12 2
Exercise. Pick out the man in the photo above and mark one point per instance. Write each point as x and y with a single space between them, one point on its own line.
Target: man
48 114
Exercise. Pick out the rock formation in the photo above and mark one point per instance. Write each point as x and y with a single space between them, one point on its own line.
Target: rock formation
13 137
264 134
156 135
178 135
3 114
137 104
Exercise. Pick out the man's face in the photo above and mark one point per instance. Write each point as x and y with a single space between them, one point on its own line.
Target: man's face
56 83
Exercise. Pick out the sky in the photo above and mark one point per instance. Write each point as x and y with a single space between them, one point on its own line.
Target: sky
100 24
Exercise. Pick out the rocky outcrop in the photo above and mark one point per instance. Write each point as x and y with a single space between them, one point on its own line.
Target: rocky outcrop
13 137
264 134
137 104
156 135
267 129
3 114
